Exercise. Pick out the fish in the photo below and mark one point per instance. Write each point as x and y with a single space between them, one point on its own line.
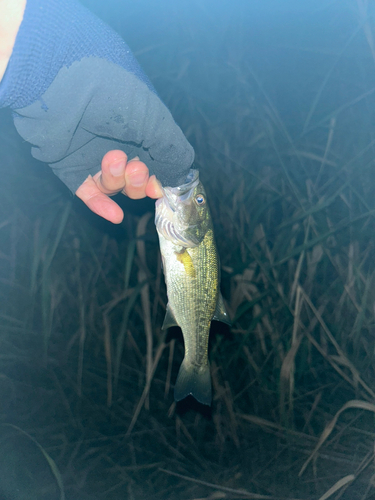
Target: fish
192 274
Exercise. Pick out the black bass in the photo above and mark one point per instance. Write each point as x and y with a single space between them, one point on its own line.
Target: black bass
192 274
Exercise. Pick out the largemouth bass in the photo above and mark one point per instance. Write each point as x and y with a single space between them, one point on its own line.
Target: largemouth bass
192 274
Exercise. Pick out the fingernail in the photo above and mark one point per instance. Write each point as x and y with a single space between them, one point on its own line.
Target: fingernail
117 169
138 179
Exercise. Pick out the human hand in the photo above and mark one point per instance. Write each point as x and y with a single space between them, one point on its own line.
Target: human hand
117 175
79 94
10 20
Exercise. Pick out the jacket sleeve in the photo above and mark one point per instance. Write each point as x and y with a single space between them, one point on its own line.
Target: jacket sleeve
76 92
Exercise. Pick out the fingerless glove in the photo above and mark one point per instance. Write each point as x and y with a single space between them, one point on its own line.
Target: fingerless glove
77 91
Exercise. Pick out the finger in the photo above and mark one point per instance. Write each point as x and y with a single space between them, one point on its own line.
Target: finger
136 179
111 179
99 202
153 188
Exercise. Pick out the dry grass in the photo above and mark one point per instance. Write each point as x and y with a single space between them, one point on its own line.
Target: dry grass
86 373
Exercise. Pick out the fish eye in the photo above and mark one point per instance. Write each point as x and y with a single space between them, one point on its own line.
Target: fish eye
200 200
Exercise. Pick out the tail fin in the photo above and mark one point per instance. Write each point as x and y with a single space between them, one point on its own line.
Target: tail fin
195 381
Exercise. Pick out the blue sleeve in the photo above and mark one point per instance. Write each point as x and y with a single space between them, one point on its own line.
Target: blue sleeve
76 92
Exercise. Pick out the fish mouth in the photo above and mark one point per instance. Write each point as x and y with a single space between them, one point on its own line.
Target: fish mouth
166 208
181 193
192 180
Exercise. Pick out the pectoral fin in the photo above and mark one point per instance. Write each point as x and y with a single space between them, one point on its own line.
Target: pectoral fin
169 319
186 260
220 312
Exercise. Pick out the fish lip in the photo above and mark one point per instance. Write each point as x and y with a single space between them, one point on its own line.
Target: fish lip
172 193
192 180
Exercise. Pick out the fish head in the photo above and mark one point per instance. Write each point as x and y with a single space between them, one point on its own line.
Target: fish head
182 214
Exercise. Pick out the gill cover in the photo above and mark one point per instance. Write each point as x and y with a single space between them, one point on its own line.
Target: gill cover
181 212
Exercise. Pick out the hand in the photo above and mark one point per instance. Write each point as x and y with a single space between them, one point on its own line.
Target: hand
10 20
117 175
